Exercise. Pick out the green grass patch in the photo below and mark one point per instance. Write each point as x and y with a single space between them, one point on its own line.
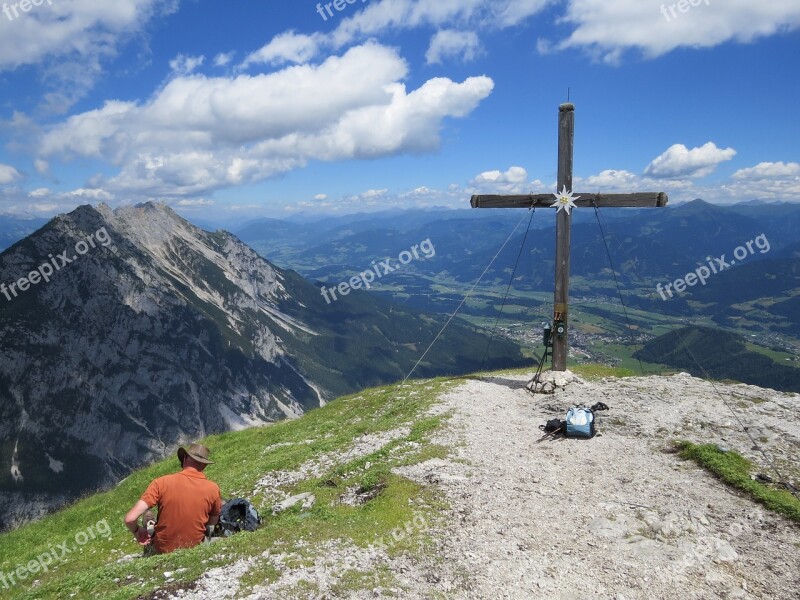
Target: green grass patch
325 435
600 371
734 469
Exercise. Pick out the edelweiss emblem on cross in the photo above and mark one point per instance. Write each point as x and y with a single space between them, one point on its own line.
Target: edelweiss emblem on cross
565 200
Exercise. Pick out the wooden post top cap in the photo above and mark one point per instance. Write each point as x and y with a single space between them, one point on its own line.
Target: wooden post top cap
566 107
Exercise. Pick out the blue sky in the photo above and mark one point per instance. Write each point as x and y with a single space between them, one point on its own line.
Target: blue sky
241 108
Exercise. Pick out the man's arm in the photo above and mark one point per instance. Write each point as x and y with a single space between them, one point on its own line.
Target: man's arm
131 522
216 508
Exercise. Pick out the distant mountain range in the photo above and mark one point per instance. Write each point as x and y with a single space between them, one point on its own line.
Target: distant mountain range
13 229
653 242
647 246
126 332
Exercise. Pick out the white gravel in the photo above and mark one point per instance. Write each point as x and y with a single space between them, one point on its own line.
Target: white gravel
614 516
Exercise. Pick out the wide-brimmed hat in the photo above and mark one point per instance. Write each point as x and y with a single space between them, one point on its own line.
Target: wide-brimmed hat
197 452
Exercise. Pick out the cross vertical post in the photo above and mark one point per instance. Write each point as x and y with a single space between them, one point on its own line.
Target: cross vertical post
566 137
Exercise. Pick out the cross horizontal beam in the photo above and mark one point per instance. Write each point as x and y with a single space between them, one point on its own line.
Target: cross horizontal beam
640 200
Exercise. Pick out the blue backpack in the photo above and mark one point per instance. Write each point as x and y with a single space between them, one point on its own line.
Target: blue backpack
580 423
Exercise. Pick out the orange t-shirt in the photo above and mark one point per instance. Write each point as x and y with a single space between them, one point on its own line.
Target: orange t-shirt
185 501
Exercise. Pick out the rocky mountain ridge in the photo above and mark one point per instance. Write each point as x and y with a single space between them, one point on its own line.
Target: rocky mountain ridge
98 362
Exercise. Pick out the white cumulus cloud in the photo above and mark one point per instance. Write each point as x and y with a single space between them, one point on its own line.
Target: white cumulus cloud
512 181
766 181
184 65
370 194
386 15
512 175
196 203
608 27
42 167
288 47
678 161
618 180
73 27
769 169
43 200
198 133
8 174
223 59
448 43
71 40
95 194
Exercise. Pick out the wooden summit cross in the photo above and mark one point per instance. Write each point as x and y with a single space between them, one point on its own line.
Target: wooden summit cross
565 200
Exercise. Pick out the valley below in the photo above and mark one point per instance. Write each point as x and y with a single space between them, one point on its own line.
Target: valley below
615 305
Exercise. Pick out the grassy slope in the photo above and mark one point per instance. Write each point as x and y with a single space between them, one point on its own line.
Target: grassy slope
724 355
242 459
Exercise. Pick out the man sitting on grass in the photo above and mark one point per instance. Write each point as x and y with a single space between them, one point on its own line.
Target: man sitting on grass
187 502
